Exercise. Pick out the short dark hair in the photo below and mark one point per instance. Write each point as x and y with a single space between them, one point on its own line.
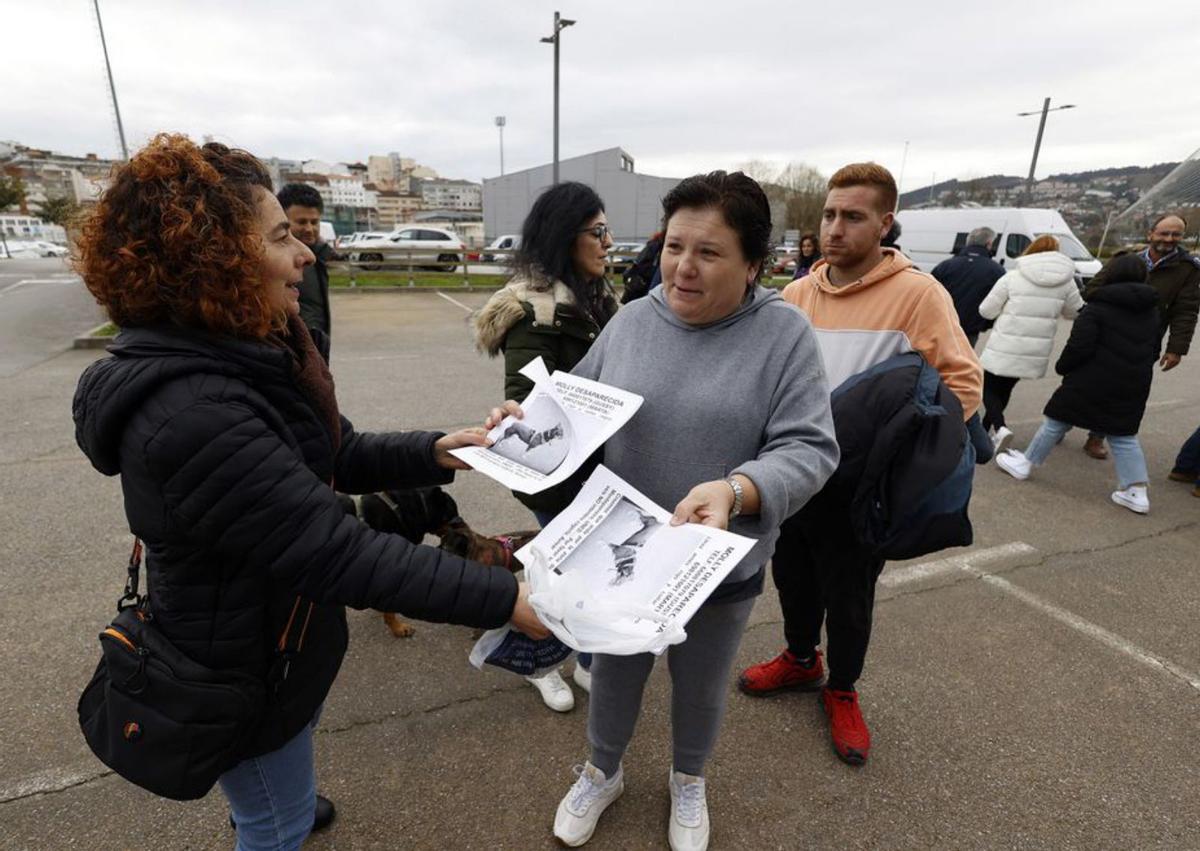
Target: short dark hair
1126 268
300 195
548 236
742 203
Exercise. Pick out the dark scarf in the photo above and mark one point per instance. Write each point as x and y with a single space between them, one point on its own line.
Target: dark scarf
312 375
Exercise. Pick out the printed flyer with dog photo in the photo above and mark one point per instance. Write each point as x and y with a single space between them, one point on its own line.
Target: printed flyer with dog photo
610 574
566 419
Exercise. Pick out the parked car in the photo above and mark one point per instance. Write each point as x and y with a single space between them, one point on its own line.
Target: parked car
622 255
49 249
784 259
19 249
502 247
418 237
931 236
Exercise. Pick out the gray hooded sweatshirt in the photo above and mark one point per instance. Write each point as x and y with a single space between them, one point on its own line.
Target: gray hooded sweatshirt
745 394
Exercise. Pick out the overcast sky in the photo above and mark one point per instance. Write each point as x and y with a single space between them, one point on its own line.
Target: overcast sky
682 86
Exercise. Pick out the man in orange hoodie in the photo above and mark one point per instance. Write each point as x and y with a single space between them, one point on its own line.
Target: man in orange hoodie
866 304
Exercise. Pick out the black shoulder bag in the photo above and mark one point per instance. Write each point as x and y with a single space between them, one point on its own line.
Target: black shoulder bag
161 720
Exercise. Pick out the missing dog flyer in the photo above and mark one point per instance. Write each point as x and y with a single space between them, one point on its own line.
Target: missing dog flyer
610 574
566 419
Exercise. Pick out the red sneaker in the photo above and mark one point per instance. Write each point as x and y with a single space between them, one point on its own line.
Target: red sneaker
851 738
783 672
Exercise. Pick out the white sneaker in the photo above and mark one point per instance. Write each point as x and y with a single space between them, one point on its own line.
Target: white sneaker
1015 464
1000 440
554 691
582 677
1134 498
581 808
689 813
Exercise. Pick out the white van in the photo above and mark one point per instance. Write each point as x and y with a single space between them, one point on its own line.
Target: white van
327 233
930 236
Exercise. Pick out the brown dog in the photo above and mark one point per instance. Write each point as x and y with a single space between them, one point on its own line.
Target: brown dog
420 511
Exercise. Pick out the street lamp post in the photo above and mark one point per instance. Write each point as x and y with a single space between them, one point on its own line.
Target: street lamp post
560 24
500 122
1037 145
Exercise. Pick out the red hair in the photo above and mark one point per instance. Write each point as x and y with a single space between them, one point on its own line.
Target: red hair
1045 242
868 174
176 239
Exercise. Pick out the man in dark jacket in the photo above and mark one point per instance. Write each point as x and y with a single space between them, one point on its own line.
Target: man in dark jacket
303 206
969 277
1175 276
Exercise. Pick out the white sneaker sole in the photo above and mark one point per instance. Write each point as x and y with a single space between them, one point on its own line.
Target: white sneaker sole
1132 506
1012 471
562 812
1002 441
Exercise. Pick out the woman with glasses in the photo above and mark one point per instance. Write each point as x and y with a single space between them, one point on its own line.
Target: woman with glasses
554 307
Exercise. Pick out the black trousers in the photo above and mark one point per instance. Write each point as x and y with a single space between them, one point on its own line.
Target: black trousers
997 390
825 576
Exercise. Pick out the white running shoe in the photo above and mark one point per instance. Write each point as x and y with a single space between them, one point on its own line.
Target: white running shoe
585 802
689 813
1001 439
1015 464
554 691
1134 498
582 677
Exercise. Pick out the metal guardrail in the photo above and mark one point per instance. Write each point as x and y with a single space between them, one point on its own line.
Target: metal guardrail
454 265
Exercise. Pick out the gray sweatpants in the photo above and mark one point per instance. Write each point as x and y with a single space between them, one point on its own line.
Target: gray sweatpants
699 684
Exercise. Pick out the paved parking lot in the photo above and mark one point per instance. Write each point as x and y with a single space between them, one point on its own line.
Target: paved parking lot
1038 690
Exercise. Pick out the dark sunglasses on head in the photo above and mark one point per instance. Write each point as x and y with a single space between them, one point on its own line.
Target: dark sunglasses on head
598 231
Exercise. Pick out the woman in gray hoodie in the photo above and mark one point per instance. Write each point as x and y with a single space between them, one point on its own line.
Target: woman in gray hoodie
735 432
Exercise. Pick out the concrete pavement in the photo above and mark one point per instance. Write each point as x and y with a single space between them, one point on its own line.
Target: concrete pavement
1038 690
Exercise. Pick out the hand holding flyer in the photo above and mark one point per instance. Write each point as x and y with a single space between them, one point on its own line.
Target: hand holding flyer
612 575
566 420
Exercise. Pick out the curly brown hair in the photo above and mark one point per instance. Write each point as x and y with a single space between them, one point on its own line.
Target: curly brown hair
175 239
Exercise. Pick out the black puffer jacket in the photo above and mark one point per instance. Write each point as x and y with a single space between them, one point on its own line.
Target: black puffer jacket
226 467
1108 361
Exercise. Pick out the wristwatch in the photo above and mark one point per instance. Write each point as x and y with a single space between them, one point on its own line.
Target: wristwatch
738 495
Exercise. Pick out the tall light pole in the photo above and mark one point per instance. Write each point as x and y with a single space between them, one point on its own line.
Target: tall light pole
1037 145
560 24
500 122
112 89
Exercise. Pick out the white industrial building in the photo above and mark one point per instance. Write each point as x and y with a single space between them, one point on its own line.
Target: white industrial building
632 201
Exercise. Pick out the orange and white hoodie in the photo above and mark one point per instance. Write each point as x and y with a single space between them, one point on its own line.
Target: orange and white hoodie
894 308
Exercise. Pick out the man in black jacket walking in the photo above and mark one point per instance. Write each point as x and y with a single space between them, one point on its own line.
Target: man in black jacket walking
303 206
969 277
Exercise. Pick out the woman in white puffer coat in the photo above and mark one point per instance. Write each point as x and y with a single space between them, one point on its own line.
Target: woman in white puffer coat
1026 304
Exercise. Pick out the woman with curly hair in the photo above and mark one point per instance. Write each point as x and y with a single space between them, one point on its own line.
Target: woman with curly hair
217 409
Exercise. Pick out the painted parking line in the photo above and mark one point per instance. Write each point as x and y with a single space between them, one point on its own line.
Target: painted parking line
972 563
455 301
19 284
965 561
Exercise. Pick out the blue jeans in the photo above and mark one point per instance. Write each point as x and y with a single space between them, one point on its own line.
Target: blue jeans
1126 452
584 660
273 797
1188 460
